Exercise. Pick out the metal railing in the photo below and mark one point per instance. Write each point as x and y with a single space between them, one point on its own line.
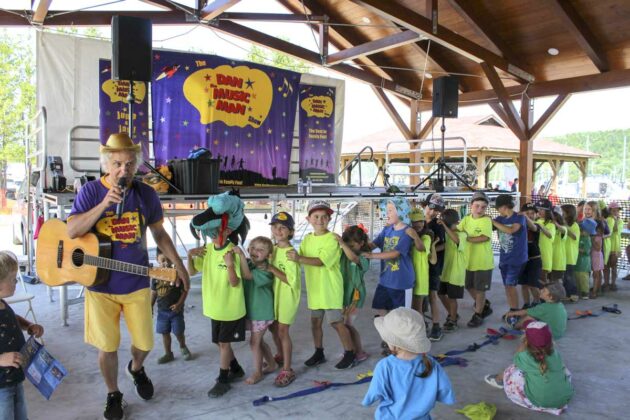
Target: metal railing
356 160
73 159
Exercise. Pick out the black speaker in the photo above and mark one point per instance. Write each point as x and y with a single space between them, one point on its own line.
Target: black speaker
445 96
131 48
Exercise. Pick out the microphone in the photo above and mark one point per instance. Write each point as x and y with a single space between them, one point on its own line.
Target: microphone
122 183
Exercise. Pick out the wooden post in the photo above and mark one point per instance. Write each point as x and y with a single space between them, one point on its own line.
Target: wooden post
380 180
481 171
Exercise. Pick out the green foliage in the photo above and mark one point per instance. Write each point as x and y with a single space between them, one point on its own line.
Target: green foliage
274 58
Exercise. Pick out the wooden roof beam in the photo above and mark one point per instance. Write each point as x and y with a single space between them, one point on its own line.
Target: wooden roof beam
272 17
514 121
214 8
309 56
548 115
372 47
40 11
162 4
426 129
393 113
416 22
577 26
101 18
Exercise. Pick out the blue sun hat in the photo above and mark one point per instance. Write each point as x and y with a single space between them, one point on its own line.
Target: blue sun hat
402 207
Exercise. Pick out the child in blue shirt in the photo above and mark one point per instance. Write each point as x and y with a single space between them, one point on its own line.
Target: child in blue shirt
409 381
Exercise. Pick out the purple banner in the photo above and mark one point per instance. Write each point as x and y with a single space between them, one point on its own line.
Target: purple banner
317 133
244 113
114 110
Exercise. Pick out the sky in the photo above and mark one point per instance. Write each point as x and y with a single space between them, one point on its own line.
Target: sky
591 111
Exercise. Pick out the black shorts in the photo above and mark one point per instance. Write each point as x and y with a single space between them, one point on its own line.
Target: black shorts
531 274
450 290
228 331
434 283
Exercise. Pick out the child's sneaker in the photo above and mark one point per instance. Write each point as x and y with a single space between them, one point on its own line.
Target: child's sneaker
316 359
219 389
436 333
584 296
574 298
487 310
168 357
361 357
450 325
347 361
526 306
510 321
475 321
114 407
185 353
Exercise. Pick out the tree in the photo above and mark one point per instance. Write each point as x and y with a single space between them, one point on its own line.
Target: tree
274 58
17 99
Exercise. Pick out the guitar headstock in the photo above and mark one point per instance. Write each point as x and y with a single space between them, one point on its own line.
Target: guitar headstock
162 273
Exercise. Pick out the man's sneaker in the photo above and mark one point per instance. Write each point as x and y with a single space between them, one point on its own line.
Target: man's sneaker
487 310
219 389
347 361
475 321
316 359
436 333
114 406
143 385
450 325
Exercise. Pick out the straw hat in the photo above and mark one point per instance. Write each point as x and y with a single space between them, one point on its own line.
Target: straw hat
404 328
119 142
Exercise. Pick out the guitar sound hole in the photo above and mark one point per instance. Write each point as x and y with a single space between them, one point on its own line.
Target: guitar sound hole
77 257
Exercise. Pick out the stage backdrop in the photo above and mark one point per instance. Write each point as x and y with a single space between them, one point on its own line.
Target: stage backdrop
242 112
114 109
317 134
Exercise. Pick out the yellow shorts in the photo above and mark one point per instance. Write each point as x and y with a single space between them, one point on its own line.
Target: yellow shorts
102 319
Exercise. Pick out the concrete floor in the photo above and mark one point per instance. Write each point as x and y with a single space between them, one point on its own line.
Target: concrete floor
594 349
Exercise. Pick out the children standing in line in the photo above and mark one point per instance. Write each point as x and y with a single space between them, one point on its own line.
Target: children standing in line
538 379
512 229
478 227
454 271
583 265
320 255
223 302
530 277
432 211
615 225
170 318
258 277
572 250
421 253
395 284
286 295
12 401
353 242
551 311
409 382
546 240
559 265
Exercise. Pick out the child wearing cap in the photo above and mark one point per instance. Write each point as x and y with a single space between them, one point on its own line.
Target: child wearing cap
592 212
432 211
423 248
286 294
320 255
583 265
615 226
571 250
530 277
454 272
409 382
513 247
545 241
551 311
478 227
559 264
397 278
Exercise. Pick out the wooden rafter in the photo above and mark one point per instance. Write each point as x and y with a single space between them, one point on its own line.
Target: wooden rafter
99 18
40 11
548 115
513 119
426 129
272 17
214 8
416 22
162 4
372 47
584 36
391 110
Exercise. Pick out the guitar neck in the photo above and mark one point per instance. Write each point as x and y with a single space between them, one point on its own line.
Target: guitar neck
114 265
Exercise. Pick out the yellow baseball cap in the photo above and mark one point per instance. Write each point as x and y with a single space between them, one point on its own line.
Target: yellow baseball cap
416 215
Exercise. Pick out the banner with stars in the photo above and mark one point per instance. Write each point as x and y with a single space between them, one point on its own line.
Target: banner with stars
244 113
317 133
114 108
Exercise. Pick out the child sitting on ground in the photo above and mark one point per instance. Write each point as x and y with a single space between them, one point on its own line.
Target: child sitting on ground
583 265
353 242
12 340
538 379
551 311
170 318
409 381
421 253
258 276
454 272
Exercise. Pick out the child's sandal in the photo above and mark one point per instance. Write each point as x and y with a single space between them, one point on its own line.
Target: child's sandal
284 378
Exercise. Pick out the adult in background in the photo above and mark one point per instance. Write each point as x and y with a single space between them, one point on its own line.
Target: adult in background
515 185
94 210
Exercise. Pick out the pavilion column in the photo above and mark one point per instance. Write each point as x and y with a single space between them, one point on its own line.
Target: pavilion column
525 169
481 171
380 162
555 165
582 166
414 160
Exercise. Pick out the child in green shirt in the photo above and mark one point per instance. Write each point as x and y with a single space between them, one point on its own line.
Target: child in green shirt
615 225
583 266
421 253
545 240
320 255
551 311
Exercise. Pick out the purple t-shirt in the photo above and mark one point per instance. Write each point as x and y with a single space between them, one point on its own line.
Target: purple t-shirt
127 245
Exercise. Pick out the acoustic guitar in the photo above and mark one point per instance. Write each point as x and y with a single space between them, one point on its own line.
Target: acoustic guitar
85 260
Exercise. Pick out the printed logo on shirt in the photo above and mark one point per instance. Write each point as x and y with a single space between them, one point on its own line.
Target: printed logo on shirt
222 266
125 230
506 241
389 244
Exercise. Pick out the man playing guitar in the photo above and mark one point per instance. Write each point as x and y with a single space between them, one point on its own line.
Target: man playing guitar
95 210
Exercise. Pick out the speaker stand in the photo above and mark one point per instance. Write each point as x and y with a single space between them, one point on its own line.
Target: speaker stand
130 100
438 184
